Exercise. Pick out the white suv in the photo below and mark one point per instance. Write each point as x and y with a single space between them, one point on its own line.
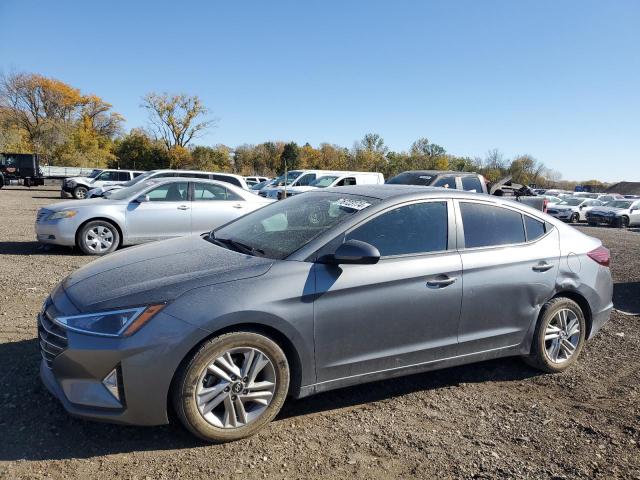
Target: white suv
77 187
231 178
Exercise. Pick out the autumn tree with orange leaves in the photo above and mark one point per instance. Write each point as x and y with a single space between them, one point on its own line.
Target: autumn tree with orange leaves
56 120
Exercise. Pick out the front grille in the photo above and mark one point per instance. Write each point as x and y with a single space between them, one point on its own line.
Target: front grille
42 214
52 337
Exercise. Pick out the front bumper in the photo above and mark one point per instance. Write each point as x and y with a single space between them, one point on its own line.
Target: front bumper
606 219
146 363
66 191
57 232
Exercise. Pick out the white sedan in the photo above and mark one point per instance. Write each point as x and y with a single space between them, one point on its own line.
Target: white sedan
573 209
151 210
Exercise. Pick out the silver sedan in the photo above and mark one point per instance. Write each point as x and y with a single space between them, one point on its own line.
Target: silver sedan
151 210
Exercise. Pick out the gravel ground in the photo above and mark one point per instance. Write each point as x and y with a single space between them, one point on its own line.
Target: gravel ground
494 419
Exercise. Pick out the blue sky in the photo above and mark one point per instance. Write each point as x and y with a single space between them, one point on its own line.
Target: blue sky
559 80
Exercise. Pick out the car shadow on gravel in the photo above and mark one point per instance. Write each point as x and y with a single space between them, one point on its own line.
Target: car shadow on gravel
34 248
501 370
626 297
35 426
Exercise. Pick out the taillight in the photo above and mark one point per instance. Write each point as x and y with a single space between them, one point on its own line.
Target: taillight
600 255
544 205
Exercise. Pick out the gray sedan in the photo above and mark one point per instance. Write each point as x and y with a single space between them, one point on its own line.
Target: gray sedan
316 292
150 210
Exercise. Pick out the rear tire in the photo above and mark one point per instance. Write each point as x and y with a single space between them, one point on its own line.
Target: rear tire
80 192
559 336
219 406
98 237
575 218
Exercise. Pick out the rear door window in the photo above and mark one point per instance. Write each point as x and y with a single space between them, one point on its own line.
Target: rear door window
207 192
534 228
228 179
490 225
412 229
471 183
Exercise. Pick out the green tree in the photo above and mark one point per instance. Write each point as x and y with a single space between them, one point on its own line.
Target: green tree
216 158
289 157
137 150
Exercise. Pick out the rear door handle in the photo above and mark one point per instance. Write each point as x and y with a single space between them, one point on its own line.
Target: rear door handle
542 267
441 281
237 205
183 207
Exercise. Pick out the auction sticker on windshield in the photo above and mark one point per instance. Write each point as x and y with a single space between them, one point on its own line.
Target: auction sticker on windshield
354 204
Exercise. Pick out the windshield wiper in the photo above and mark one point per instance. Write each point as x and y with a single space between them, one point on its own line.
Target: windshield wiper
238 246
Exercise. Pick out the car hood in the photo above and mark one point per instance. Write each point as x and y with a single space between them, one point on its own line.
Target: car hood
608 209
79 179
75 204
157 272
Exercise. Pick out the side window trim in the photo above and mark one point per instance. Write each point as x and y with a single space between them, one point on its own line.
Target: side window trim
451 228
460 226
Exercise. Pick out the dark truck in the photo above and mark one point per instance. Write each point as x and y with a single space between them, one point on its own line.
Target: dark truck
471 182
20 166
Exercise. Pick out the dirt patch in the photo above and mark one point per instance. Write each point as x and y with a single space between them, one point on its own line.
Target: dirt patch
493 419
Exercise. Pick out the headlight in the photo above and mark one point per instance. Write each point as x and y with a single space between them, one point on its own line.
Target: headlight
63 214
114 323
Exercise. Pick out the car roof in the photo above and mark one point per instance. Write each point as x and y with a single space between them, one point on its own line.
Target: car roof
163 170
438 172
388 191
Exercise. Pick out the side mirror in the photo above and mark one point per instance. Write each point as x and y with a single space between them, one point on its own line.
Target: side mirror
142 199
354 252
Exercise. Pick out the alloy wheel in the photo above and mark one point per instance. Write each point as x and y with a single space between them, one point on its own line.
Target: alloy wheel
99 239
236 388
562 335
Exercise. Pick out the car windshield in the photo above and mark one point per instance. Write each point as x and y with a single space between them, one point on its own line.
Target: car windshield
281 228
619 204
323 182
124 193
94 173
411 178
572 202
260 186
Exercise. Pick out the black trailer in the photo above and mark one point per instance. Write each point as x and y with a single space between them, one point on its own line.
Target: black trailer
24 167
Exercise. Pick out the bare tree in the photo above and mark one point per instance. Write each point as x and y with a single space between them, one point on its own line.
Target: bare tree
176 119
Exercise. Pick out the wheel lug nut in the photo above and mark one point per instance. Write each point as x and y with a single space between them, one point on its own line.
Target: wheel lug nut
233 397
244 392
245 379
233 377
226 389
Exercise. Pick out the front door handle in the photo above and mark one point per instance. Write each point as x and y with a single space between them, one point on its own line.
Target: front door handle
542 267
237 205
441 281
183 207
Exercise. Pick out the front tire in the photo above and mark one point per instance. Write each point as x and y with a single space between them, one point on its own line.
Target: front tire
98 237
575 218
623 222
559 336
231 387
80 192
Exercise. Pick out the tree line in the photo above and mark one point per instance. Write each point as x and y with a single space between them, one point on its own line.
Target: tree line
70 128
